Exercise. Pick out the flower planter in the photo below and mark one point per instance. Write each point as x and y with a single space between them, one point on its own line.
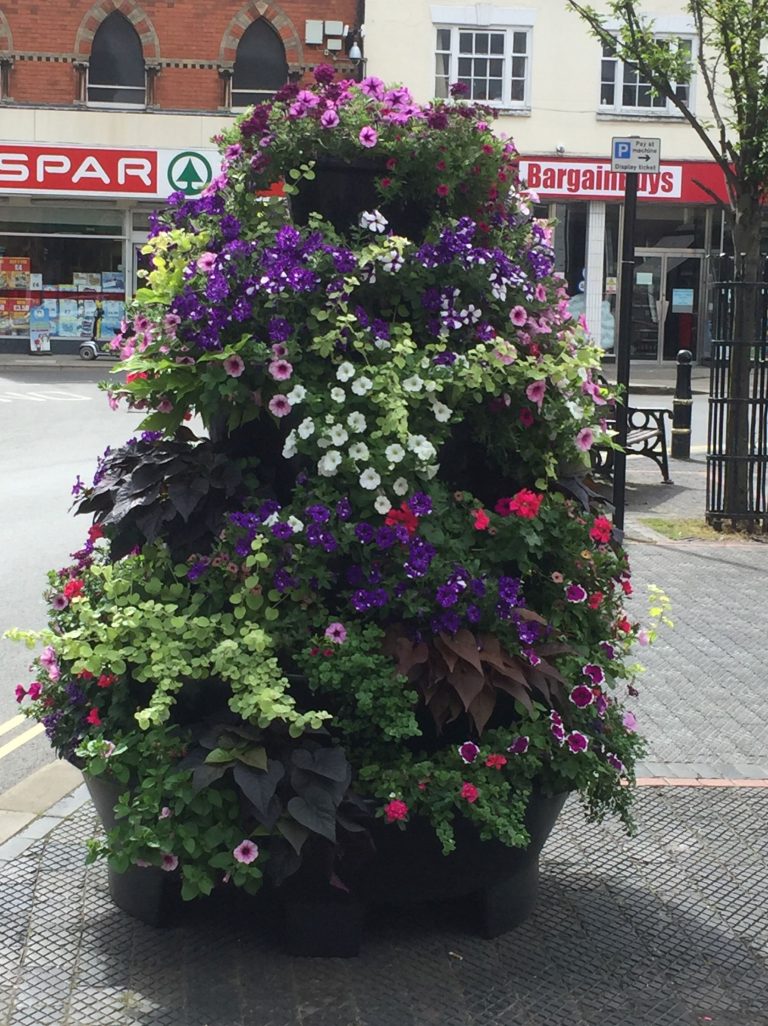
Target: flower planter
341 190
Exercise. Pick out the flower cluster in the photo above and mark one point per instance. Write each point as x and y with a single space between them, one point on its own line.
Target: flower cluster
382 593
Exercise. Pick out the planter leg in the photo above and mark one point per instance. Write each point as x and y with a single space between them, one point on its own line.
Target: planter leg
508 903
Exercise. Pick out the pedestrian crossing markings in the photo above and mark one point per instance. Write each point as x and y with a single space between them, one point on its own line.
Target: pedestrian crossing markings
52 394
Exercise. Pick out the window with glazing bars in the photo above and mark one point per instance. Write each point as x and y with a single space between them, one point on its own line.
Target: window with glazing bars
491 63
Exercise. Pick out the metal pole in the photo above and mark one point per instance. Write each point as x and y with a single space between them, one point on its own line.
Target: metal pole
623 347
682 406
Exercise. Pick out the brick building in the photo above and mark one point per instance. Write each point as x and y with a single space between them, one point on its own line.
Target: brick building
107 107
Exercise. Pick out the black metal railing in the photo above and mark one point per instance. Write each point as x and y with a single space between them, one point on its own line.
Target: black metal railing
737 435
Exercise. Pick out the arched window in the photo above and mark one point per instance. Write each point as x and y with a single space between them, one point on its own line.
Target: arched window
260 65
116 73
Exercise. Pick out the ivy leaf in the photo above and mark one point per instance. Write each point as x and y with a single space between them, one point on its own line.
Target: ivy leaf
317 814
259 788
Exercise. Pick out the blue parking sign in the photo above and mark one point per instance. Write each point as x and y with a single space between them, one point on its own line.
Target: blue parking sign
622 150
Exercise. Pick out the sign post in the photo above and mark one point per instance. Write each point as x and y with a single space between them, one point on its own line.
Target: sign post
632 156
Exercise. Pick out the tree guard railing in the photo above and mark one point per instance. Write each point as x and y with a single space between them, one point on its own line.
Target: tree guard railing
737 434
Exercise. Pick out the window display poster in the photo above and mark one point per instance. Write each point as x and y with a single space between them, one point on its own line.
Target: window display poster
112 281
39 330
14 316
69 326
114 312
86 281
51 307
682 300
14 272
36 283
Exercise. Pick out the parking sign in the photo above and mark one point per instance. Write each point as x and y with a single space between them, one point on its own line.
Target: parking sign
634 154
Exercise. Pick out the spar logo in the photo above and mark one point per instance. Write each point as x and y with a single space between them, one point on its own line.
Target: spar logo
189 172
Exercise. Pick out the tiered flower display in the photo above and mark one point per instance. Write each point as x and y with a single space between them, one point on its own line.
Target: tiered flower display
375 585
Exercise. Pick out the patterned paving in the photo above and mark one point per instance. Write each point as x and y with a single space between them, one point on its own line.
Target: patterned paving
666 929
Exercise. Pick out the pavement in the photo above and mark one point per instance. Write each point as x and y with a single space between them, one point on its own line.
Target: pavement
667 928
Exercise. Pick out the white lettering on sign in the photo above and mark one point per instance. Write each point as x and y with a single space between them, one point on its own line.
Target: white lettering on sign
91 168
138 167
579 179
13 167
53 164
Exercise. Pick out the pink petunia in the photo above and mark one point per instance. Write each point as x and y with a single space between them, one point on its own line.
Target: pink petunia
234 365
518 315
280 370
368 137
469 792
205 262
630 722
35 690
169 862
280 405
395 810
585 439
336 632
329 118
535 392
20 691
246 852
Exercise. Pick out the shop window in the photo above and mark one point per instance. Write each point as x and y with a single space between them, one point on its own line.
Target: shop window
6 63
61 286
624 90
664 226
492 64
116 71
260 65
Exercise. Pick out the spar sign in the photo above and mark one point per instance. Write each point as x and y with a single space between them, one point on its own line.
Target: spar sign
105 172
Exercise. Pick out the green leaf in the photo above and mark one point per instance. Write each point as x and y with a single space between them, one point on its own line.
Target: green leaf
256 757
220 755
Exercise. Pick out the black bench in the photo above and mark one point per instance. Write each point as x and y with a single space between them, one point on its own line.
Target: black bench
646 436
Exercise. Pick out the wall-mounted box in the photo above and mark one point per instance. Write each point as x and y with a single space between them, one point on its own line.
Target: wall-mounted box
313 31
333 44
334 28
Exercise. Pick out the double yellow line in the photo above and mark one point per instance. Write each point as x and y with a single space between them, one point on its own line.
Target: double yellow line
20 739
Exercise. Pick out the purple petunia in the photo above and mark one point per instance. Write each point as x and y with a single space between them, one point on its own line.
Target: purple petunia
468 751
594 672
575 593
577 742
582 696
519 746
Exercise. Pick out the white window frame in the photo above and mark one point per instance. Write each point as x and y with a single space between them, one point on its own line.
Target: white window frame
108 104
668 110
508 32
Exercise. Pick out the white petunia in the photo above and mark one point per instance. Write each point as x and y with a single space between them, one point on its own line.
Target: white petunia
328 464
394 452
297 395
471 315
361 386
374 221
421 446
413 384
271 519
369 479
289 447
442 412
356 422
430 471
359 451
382 504
430 386
296 524
345 371
338 434
383 343
392 261
306 428
338 395
401 486
323 442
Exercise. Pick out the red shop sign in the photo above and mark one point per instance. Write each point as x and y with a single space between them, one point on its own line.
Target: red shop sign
588 178
78 169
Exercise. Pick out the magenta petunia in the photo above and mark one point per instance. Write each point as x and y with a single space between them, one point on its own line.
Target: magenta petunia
329 118
577 742
35 690
234 366
585 439
280 405
20 691
535 392
519 746
368 137
582 696
246 852
594 672
469 751
575 593
615 761
518 316
336 632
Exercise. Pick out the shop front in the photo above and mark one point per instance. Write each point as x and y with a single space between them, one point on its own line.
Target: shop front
679 228
73 220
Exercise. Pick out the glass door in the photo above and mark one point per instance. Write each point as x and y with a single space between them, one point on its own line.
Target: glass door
665 305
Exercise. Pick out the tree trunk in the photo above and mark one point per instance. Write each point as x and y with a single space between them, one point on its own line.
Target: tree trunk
744 336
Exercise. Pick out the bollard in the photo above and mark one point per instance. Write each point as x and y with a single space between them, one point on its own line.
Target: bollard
682 406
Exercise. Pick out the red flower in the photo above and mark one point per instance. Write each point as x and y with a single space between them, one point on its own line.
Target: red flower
93 717
385 183
624 625
482 520
496 761
524 503
469 792
403 516
106 680
626 587
391 164
601 530
395 810
85 675
442 190
73 589
95 531
595 600
314 650
525 416
135 376
440 165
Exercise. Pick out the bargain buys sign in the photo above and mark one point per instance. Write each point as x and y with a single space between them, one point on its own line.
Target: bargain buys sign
685 181
44 170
